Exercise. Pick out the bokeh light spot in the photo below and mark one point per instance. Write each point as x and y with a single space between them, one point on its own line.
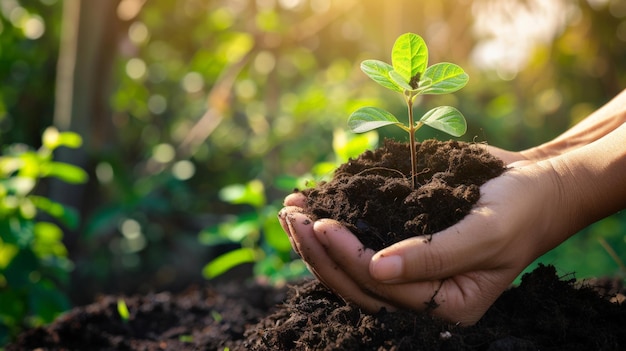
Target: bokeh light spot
138 33
136 68
192 82
290 4
129 9
157 104
104 172
246 89
183 170
163 153
34 27
264 62
130 228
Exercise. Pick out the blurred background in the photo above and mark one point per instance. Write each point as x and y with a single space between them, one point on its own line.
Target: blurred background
198 116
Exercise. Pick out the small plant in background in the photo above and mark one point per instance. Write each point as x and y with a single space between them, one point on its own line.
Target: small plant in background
122 310
258 232
33 260
410 75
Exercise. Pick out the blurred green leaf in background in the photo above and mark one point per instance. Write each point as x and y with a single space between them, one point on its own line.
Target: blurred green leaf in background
34 263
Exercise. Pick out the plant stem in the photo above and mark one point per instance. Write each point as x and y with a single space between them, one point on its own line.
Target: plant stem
412 129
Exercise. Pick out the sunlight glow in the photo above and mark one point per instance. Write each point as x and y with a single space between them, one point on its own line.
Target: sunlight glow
319 6
510 30
129 9
290 4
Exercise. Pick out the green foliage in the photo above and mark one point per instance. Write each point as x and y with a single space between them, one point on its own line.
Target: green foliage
33 259
261 239
410 75
257 232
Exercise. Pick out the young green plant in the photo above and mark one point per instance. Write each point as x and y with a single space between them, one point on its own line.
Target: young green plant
410 75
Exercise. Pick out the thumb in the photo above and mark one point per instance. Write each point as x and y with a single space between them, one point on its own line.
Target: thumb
458 249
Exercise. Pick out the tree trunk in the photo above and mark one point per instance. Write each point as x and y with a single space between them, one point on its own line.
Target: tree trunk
88 47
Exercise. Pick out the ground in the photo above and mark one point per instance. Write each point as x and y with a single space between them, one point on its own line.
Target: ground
546 311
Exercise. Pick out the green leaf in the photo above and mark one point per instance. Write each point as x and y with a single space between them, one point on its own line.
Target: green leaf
409 56
399 80
70 139
67 215
20 186
252 193
52 139
273 232
7 252
227 261
122 310
369 118
445 78
379 72
446 119
47 301
48 240
348 145
66 172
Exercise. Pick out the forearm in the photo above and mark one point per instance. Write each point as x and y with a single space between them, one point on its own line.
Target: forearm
591 182
597 125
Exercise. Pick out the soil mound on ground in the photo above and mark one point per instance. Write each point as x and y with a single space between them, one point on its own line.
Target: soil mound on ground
545 312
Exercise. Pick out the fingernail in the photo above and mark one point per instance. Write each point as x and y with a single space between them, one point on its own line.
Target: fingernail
385 268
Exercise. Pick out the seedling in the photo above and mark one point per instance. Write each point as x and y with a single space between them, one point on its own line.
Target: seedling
410 75
122 310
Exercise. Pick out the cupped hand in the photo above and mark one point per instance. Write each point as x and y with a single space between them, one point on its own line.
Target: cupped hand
460 272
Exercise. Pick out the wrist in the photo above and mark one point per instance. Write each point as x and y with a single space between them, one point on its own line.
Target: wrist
588 182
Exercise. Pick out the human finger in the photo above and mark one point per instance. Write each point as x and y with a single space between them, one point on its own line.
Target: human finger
295 199
463 298
283 216
326 269
352 258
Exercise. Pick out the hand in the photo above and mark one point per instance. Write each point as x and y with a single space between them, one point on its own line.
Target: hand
462 270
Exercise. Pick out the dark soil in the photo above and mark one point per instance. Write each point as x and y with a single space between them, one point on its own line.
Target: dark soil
544 312
374 198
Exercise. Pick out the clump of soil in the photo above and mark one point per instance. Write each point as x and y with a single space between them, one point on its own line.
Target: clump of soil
374 198
543 312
